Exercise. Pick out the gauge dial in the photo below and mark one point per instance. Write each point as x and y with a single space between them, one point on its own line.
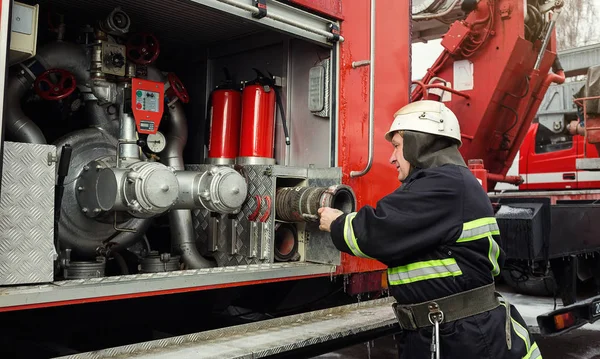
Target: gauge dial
156 142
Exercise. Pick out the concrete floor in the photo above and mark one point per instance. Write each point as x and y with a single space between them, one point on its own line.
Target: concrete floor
581 344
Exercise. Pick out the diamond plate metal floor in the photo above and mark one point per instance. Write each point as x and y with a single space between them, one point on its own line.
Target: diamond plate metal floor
264 338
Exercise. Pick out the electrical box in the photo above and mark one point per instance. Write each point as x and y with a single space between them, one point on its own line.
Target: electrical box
318 89
23 35
147 104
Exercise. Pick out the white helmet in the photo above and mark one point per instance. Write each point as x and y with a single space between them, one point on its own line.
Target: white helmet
426 116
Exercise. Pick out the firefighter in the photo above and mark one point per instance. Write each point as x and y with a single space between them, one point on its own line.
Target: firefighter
438 237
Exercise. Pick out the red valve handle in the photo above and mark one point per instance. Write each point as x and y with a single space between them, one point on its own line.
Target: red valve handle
177 88
143 48
48 89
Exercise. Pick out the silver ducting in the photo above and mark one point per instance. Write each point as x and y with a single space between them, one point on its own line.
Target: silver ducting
128 148
19 127
66 56
58 55
104 117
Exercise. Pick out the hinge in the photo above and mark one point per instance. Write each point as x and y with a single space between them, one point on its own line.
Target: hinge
262 8
52 158
335 30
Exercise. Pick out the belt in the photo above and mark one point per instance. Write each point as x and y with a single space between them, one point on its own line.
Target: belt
454 307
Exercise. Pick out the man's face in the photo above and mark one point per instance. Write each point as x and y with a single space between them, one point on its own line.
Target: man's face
397 158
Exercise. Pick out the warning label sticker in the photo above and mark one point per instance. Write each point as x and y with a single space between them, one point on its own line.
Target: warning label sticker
147 100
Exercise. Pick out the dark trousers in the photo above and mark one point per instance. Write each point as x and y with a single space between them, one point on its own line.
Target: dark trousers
478 337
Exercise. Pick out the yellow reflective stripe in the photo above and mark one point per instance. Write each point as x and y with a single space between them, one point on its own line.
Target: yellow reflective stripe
478 236
533 353
522 333
351 240
479 223
486 227
418 271
479 228
493 255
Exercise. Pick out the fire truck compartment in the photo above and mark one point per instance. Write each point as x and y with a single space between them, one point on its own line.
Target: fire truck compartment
119 226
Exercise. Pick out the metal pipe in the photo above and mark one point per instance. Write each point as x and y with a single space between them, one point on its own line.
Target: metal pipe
254 10
18 126
104 117
128 135
60 55
430 16
182 229
515 180
371 98
66 56
538 61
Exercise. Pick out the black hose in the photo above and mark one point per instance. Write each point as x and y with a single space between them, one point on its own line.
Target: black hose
556 65
121 262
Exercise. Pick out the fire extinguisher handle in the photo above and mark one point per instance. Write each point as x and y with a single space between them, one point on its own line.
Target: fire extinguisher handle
207 123
259 74
283 119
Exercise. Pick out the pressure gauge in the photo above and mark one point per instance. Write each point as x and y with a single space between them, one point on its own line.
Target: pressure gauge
156 142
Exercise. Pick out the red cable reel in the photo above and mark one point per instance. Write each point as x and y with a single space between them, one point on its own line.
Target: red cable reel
50 89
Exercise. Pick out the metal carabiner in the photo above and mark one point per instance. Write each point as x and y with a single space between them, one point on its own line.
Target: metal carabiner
436 316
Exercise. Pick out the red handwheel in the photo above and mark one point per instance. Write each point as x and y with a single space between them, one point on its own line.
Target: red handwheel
49 89
176 88
143 48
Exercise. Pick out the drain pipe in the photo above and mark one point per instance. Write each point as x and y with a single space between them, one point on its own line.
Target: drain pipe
182 228
19 127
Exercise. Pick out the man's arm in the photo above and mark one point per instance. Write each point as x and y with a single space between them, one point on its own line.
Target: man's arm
404 222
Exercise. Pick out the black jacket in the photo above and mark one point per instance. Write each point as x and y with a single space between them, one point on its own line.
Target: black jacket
416 228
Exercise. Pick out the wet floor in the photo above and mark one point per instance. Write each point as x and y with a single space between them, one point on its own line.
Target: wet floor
581 344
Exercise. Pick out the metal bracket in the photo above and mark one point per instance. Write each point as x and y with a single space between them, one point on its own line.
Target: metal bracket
335 30
52 158
213 234
262 9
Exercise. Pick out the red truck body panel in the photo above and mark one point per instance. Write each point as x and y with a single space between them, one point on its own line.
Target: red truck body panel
392 79
329 8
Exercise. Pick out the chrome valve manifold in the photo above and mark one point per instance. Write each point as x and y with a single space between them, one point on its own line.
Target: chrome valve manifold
146 189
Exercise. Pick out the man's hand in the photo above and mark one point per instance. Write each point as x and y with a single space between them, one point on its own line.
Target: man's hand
328 215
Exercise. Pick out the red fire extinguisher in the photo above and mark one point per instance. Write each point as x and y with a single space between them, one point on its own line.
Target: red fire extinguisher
259 98
223 117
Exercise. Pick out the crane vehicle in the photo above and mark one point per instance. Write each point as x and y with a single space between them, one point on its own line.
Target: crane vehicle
166 159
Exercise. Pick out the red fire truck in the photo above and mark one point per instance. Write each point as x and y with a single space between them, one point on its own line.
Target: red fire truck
164 160
547 161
